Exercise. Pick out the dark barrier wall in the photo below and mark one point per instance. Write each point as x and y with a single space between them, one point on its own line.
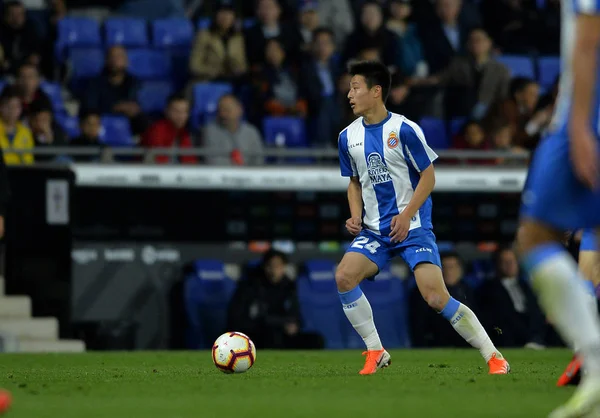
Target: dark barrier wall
39 240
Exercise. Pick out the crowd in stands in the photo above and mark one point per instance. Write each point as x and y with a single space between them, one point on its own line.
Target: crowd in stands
238 76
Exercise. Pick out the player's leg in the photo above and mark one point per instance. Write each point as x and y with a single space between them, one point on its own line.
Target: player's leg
364 258
433 289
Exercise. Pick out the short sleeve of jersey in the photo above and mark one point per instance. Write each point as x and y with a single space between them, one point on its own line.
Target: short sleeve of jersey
591 7
415 146
347 166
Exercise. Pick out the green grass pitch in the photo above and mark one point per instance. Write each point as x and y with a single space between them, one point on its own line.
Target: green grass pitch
419 383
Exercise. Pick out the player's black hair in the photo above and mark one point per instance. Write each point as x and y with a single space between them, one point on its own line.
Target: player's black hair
176 97
375 74
518 84
9 93
322 30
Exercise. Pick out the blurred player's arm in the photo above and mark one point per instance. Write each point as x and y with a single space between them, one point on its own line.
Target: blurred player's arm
348 169
584 68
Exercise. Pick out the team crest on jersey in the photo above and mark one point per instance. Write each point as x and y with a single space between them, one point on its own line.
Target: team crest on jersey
378 171
393 141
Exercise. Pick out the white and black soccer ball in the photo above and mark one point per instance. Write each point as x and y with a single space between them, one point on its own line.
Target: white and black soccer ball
233 352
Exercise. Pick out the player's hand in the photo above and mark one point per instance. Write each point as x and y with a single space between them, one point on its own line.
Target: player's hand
584 156
400 226
354 225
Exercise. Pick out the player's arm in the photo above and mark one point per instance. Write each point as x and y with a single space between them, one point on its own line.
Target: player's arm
348 169
421 157
584 66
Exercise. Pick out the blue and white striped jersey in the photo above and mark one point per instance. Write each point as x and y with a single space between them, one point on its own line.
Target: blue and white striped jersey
387 158
570 10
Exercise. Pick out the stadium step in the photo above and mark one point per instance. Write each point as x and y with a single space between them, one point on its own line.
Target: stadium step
15 307
51 346
30 328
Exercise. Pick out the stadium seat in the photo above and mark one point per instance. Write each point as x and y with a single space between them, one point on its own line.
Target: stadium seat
153 95
289 132
129 32
76 32
147 64
389 303
456 125
207 292
70 124
435 133
54 91
116 131
204 23
86 62
206 100
248 23
549 69
320 304
168 33
519 66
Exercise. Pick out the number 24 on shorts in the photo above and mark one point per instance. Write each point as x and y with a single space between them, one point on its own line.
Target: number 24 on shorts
363 242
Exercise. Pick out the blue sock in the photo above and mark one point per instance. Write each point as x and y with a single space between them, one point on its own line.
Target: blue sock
540 255
450 308
589 287
351 296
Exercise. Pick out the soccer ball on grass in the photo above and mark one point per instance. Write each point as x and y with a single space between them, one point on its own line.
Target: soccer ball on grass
233 352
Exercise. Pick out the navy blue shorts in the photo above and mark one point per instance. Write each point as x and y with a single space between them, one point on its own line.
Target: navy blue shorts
588 241
553 195
418 247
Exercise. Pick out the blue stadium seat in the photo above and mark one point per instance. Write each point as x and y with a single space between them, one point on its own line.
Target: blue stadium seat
549 69
54 91
70 124
480 271
86 62
147 64
285 131
456 125
168 33
126 31
388 300
2 84
207 293
76 32
204 23
248 23
519 66
116 131
153 95
206 100
435 133
320 304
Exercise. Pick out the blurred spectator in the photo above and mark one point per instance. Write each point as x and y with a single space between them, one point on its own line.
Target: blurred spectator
519 111
509 308
116 90
428 328
412 103
474 82
548 34
236 141
308 22
336 15
513 24
319 75
411 59
44 129
219 53
472 137
265 305
18 38
171 131
28 82
90 125
268 27
13 133
372 34
277 87
445 36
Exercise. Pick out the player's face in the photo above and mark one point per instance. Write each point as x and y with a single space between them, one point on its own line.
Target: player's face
361 97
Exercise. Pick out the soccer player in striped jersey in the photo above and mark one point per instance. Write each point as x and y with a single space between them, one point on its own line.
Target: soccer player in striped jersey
562 193
391 173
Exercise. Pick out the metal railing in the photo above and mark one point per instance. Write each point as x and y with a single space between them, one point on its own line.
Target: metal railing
322 156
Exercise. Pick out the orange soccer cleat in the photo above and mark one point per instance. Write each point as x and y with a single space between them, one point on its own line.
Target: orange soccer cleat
498 365
572 374
376 359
